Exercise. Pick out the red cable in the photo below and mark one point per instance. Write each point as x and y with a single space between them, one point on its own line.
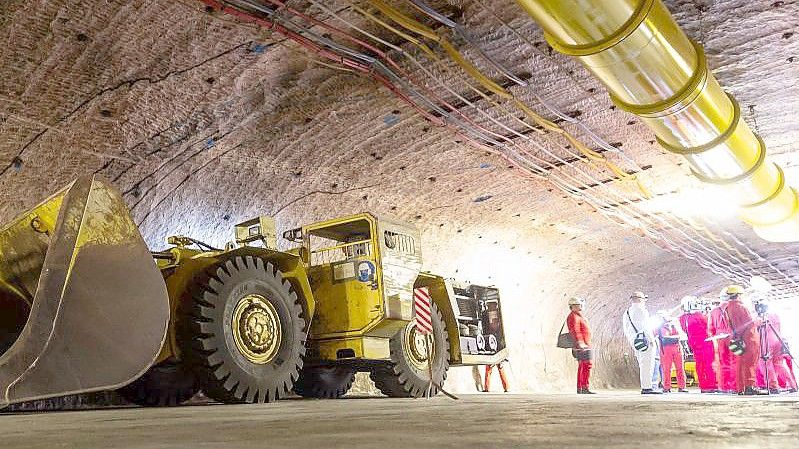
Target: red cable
307 43
388 59
402 72
347 62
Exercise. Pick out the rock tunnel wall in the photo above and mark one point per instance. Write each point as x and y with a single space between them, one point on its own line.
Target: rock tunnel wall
203 122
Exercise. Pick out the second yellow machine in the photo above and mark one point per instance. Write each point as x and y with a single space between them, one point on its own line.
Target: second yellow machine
84 308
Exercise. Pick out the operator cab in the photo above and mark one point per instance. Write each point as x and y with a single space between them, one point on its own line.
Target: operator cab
339 242
365 267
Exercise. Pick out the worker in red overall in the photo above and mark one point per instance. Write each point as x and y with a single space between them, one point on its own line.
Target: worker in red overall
502 377
776 365
694 323
787 379
581 333
744 328
718 325
671 355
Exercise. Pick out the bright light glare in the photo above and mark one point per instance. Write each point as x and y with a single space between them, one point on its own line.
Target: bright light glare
655 322
788 312
719 162
760 284
705 201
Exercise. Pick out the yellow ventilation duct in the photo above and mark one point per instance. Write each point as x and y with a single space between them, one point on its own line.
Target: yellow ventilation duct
653 70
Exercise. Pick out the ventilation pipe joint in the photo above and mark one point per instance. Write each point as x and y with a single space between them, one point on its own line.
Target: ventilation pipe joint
651 69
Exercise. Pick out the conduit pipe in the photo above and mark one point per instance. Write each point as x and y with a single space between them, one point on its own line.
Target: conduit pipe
651 69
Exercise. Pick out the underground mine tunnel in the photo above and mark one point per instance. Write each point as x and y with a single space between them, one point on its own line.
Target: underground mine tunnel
346 217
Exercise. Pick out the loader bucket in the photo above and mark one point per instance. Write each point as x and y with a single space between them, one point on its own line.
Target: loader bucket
83 307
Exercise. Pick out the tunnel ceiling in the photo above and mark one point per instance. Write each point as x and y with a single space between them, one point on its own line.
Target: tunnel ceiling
203 121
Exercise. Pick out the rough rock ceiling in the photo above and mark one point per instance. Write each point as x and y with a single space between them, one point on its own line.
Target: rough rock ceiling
204 121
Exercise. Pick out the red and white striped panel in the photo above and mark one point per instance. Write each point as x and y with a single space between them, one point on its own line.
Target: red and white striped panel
422 310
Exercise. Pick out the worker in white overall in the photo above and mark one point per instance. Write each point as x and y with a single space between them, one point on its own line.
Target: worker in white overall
635 323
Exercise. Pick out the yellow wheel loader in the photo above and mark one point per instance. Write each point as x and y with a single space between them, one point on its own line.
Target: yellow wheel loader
85 306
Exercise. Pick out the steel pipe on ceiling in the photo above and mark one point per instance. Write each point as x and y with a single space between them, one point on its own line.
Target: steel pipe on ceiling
653 70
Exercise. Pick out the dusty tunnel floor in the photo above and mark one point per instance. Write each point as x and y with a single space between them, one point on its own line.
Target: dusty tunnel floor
618 420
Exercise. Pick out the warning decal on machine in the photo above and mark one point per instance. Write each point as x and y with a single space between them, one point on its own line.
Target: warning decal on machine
422 310
343 271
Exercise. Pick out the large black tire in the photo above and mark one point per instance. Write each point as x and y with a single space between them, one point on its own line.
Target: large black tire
166 384
206 335
401 378
325 382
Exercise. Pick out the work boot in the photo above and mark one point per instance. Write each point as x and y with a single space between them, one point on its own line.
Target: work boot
773 391
586 391
792 390
666 391
752 391
650 391
682 390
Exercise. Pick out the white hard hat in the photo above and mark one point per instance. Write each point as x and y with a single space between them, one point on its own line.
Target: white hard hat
639 295
760 284
702 304
688 303
575 301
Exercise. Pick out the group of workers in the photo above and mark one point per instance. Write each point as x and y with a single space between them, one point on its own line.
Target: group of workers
736 350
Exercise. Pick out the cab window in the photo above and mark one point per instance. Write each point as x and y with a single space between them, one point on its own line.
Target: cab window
340 242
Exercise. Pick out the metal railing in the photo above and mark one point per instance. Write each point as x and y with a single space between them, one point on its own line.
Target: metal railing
341 252
400 242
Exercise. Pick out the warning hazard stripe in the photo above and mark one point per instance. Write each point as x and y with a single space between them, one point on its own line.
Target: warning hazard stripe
421 303
423 319
422 313
421 293
422 327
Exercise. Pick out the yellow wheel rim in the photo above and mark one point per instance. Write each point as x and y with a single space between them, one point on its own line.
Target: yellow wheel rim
415 346
256 329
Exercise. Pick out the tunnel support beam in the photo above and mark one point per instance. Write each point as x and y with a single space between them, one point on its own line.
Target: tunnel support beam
653 70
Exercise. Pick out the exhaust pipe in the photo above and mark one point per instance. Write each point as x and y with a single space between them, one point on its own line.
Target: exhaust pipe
651 69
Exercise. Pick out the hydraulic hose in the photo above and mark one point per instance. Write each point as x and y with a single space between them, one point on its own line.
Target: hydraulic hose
651 69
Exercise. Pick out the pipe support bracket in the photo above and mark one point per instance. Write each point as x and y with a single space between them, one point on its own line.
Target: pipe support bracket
723 137
761 157
639 16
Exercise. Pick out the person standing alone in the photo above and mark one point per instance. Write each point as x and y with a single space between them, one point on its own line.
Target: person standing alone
581 333
635 323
